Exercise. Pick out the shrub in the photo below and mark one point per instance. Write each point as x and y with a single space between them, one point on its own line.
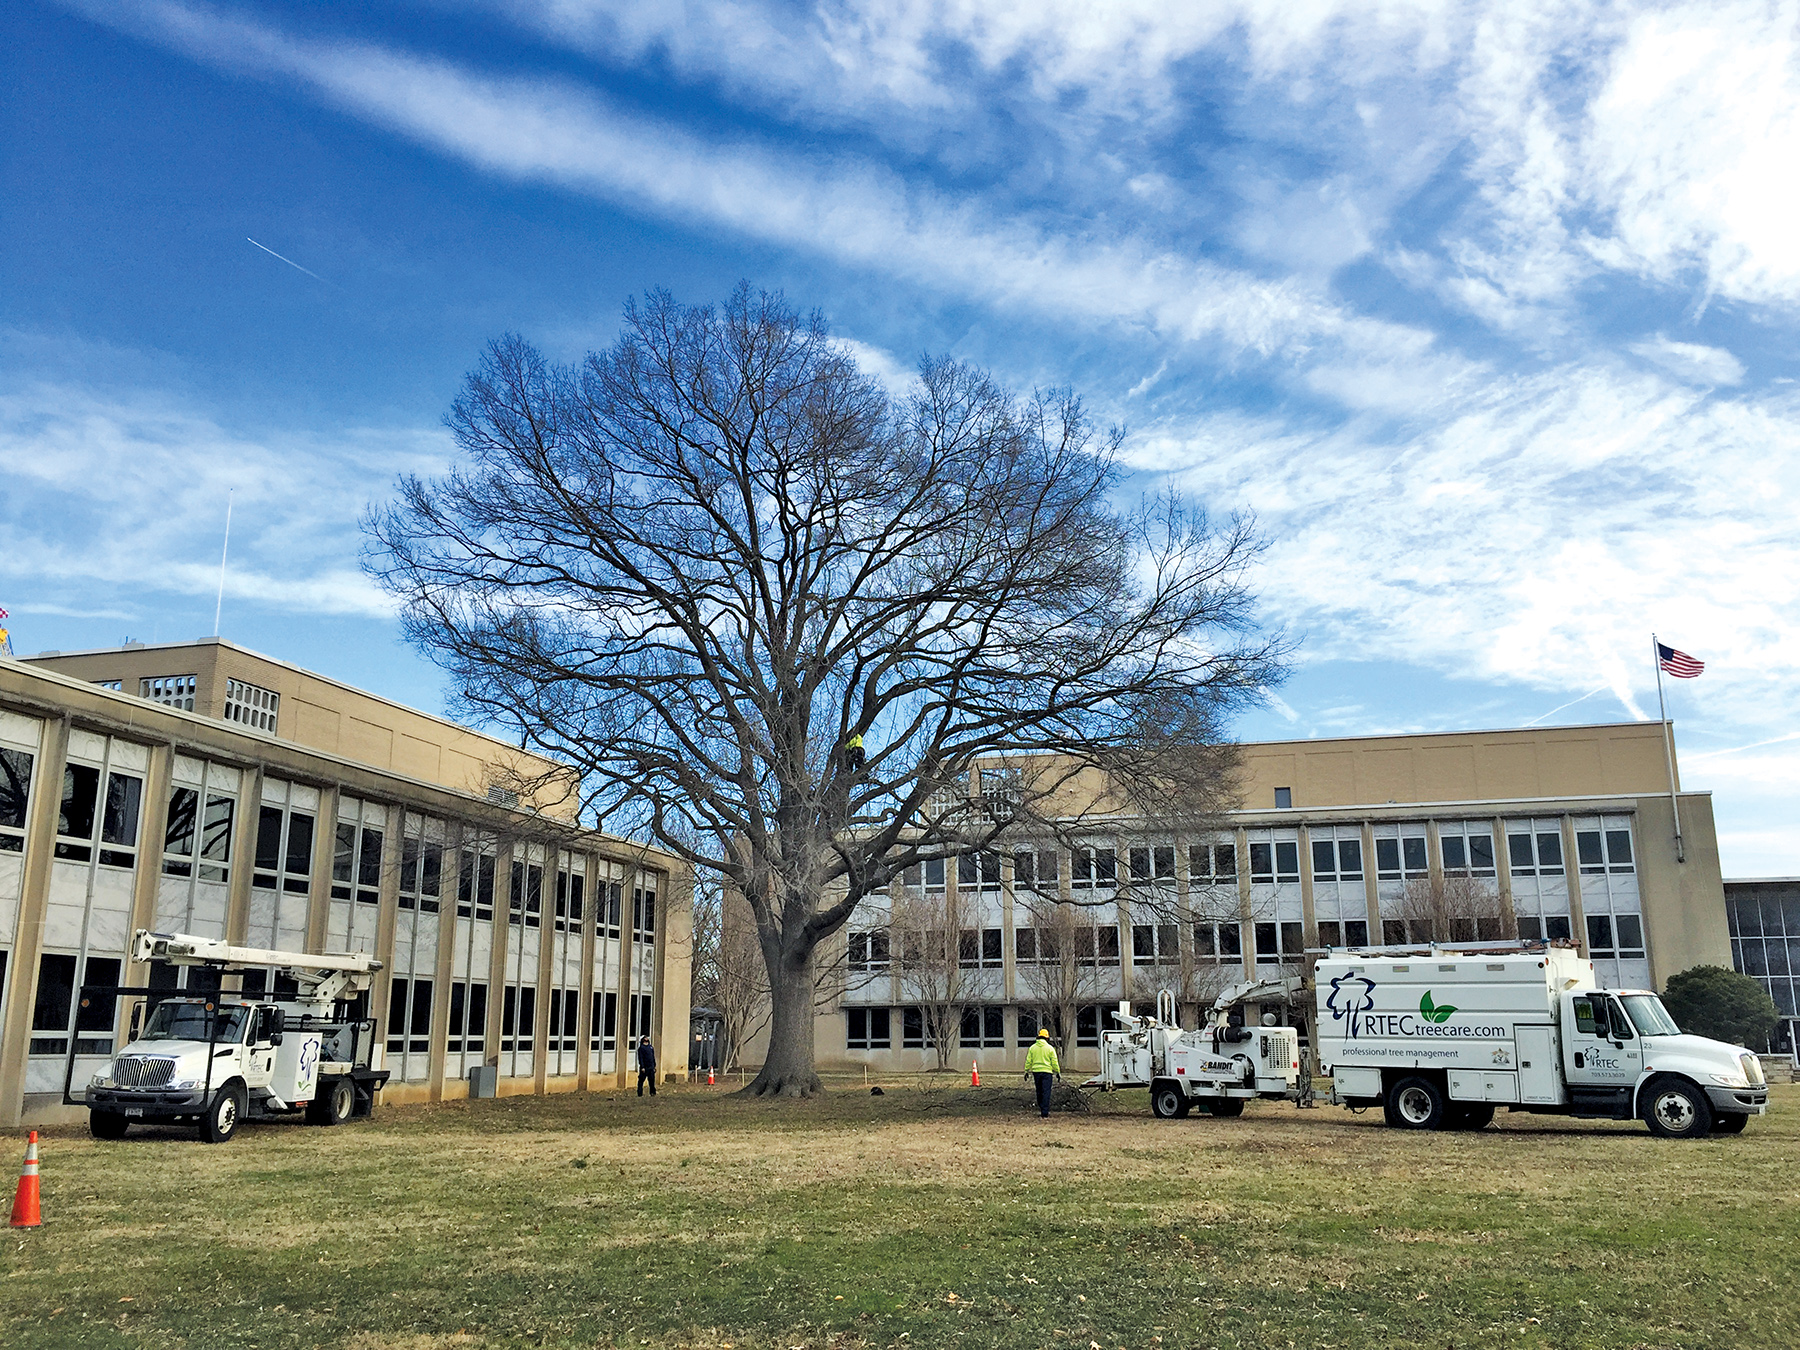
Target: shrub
1712 1001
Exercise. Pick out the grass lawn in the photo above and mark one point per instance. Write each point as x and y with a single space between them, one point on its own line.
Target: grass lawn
947 1217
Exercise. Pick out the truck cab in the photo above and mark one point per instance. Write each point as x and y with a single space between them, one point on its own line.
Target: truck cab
1624 1056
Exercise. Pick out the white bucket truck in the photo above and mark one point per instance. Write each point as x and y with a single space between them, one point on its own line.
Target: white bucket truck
218 1058
1439 1037
1217 1067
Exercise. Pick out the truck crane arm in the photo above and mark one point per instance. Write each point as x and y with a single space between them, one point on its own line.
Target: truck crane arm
322 976
1286 989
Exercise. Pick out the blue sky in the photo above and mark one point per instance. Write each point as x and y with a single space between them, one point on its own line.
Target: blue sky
1488 311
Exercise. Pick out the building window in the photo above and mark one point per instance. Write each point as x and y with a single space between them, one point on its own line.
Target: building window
284 844
1212 864
1551 928
1156 944
868 1029
978 871
1279 943
1337 859
1345 933
983 1028
1284 798
1466 851
251 706
1152 862
409 1017
1093 868
526 898
603 1032
214 833
639 1010
82 808
609 909
172 691
869 950
1035 870
978 948
913 1032
518 1018
1087 1025
117 686
1764 923
643 911
421 874
15 798
475 886
570 901
468 1018
1602 851
356 864
1222 943
1538 853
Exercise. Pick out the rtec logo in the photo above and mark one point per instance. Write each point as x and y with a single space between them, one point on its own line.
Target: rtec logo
1351 996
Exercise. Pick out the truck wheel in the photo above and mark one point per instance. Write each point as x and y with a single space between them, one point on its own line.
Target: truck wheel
1729 1124
1418 1104
1168 1102
335 1104
107 1124
220 1122
1226 1107
1473 1117
1675 1109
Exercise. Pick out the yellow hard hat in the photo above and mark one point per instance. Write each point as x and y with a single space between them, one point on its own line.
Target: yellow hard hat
1044 1033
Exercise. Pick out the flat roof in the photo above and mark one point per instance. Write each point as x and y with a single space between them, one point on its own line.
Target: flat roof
1476 731
285 665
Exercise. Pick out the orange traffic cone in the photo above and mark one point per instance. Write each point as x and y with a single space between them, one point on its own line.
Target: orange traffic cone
974 1074
710 1080
25 1201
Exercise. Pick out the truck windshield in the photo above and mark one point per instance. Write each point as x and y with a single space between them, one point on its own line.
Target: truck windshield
196 1022
1649 1016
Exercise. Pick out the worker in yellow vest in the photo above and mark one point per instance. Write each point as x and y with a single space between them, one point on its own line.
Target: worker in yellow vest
853 753
1042 1065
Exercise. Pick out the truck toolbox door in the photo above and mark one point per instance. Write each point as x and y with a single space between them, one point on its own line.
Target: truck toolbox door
1540 1081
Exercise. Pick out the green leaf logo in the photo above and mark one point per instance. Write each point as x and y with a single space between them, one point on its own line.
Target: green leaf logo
1433 1012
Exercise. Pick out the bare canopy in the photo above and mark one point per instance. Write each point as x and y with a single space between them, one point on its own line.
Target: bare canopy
697 565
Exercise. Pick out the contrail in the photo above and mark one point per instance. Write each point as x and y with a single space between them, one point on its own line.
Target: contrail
289 261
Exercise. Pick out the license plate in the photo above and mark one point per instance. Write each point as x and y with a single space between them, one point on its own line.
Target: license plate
134 1110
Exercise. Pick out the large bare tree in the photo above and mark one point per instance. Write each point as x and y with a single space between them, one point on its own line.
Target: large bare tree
695 565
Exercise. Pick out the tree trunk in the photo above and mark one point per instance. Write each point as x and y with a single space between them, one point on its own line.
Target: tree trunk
788 1070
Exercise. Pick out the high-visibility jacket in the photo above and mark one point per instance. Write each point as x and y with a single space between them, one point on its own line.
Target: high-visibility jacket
1041 1058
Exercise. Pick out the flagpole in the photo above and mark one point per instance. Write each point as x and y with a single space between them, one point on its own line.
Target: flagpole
1668 745
219 608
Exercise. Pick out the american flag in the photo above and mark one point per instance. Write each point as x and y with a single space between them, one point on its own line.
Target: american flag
1679 664
3 614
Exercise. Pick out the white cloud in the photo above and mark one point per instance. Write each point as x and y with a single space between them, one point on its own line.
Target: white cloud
116 496
1692 361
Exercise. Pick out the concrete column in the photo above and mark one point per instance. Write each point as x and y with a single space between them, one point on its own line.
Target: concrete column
1572 870
625 1057
503 858
1371 884
386 917
443 966
318 903
590 922
1503 879
149 870
243 851
1309 916
22 969
546 977
1246 920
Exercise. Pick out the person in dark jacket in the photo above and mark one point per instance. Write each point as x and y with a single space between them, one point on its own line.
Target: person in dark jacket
646 1062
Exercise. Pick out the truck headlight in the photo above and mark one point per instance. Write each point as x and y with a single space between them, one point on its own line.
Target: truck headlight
1753 1071
186 1085
1729 1079
100 1080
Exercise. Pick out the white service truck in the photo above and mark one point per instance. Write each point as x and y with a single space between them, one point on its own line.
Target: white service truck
219 1058
1440 1037
1217 1067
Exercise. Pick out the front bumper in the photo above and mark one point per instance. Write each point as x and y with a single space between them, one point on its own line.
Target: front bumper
1739 1101
143 1103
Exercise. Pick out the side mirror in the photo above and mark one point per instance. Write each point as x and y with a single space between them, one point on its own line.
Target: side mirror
274 1038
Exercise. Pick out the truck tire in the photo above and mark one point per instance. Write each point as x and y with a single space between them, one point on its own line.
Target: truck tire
1168 1101
1226 1107
1734 1124
220 1122
1675 1109
335 1104
1416 1103
107 1124
1469 1116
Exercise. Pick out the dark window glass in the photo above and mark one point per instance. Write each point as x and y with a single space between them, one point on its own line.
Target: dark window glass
965 869
268 840
368 863
1631 935
1618 849
215 839
1287 861
515 894
1106 864
1262 862
1143 942
299 844
1025 944
1231 940
1387 857
1087 1025
1330 934
396 1027
934 873
1356 933
1393 932
1455 854
421 1010
95 1012
50 1010
527 1017
1518 852
15 787
1556 928
1267 941
184 810
124 795
1350 859
1168 942
577 884
343 857
1284 798
1587 851
1203 939
1600 937
80 795
1481 852
1165 860
1413 853
431 877
1225 858
1530 929
409 870
1324 858
509 1012
1549 849
1140 864
1024 867
1108 939
990 946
